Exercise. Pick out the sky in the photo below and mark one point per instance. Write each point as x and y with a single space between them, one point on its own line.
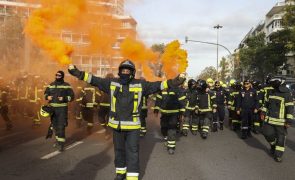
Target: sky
162 21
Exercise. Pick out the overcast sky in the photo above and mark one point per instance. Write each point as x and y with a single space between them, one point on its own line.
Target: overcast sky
161 21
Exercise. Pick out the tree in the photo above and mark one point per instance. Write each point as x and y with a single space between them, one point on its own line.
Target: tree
208 72
157 67
224 69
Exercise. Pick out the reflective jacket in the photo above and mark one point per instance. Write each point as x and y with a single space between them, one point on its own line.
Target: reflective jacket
221 96
191 99
265 91
126 100
170 101
88 97
206 102
279 107
233 99
59 89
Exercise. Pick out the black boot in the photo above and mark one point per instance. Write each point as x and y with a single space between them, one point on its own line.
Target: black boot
194 132
61 146
204 135
221 126
214 127
272 150
244 134
249 133
171 151
120 177
278 158
184 132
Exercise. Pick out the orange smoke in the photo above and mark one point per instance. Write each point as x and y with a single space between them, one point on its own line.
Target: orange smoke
174 59
141 56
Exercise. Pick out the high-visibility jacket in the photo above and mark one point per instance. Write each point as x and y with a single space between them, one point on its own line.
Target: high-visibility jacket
265 91
144 102
4 96
191 99
104 100
59 89
206 101
88 97
279 107
233 99
126 99
170 101
35 93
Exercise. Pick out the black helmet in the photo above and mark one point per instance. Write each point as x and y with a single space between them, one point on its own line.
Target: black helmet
276 82
268 78
202 84
256 83
238 85
127 64
192 84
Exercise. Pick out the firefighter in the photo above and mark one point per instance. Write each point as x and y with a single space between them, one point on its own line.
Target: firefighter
190 116
247 106
104 109
59 93
88 100
143 115
125 97
34 100
257 117
171 103
232 102
210 83
4 93
278 110
206 105
230 89
220 94
266 88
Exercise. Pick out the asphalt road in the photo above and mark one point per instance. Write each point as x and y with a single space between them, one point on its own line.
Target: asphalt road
26 155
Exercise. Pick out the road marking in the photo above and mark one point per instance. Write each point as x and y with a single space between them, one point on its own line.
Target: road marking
3 137
101 131
55 153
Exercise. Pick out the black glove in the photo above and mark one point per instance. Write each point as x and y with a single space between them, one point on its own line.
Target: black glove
176 81
74 71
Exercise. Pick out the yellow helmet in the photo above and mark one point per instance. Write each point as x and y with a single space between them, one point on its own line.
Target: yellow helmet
209 80
45 111
232 81
224 85
221 83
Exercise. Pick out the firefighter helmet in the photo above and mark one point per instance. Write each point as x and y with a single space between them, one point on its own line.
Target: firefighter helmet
46 111
209 80
127 64
192 83
232 82
276 82
268 78
202 84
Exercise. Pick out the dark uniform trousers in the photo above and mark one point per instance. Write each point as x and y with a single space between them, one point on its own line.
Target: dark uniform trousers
59 121
219 114
247 116
276 137
204 121
143 115
126 146
87 114
190 119
4 114
169 127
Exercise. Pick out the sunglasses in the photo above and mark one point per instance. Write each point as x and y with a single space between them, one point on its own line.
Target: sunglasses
217 85
246 83
58 75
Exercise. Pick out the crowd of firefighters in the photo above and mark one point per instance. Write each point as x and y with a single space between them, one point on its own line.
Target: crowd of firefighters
198 106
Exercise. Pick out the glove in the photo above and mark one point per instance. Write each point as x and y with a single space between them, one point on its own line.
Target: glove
177 81
74 71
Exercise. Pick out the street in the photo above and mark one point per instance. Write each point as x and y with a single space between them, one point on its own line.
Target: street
25 154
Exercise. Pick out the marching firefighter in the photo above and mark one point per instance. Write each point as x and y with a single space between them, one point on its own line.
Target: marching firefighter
206 105
278 110
171 103
190 116
4 104
247 106
229 102
104 109
126 94
257 116
266 88
221 96
88 101
143 115
59 93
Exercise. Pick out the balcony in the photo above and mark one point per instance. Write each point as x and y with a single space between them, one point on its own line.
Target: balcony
278 8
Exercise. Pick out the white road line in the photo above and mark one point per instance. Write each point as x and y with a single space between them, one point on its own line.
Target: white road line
100 131
55 153
3 137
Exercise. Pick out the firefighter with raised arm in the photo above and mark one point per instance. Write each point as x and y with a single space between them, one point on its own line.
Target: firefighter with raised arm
126 94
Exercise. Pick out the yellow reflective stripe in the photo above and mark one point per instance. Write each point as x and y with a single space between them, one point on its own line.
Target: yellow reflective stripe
164 92
290 116
205 110
86 75
159 96
256 124
173 93
58 104
132 178
289 104
60 139
127 127
169 111
279 148
263 109
135 89
104 104
277 97
235 121
79 99
182 109
212 97
164 85
190 108
59 87
181 98
113 87
121 170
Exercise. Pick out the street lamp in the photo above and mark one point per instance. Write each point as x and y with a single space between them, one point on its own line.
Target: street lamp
217 27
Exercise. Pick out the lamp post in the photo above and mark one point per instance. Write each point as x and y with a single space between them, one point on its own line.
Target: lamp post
217 27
